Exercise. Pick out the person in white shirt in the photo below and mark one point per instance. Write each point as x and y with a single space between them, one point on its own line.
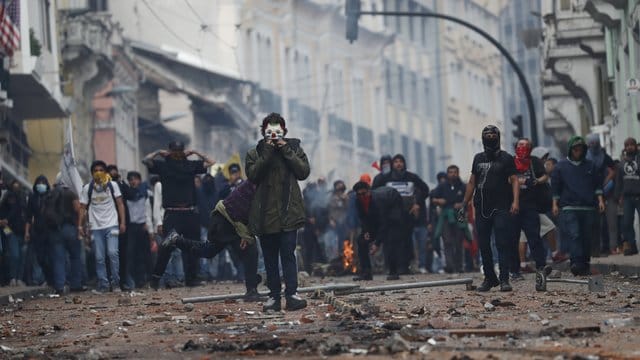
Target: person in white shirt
102 204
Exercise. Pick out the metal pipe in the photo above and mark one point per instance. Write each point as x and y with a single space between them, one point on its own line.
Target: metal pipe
570 281
405 286
327 287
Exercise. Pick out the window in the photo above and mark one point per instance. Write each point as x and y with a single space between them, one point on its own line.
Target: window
365 138
98 5
426 100
387 75
400 98
42 26
431 162
357 101
399 18
414 91
405 145
417 148
413 21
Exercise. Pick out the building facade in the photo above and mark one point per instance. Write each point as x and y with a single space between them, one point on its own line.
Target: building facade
520 30
30 89
470 79
621 102
574 90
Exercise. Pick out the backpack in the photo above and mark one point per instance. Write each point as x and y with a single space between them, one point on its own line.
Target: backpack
53 209
90 193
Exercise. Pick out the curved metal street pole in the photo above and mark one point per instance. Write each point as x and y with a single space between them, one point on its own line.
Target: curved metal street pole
523 81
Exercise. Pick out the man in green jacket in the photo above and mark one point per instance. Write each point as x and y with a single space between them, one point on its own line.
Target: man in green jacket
276 165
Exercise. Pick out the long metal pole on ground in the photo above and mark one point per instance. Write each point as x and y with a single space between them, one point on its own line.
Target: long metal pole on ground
342 289
327 287
407 286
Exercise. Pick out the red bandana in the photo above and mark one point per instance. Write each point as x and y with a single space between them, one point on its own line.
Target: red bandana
523 158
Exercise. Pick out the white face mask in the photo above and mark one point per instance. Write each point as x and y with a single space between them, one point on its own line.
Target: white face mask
273 132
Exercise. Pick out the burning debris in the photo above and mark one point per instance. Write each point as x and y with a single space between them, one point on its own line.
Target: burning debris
348 258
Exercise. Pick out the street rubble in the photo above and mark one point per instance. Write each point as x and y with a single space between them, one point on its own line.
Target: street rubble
566 322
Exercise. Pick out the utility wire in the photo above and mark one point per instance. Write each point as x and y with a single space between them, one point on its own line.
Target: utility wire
167 27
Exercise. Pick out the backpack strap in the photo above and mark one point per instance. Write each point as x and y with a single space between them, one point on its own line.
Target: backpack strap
90 193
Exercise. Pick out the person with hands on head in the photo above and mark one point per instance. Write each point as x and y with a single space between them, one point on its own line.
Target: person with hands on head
495 189
381 212
577 193
179 201
276 165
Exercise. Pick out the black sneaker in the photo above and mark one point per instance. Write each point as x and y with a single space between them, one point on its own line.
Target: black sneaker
505 286
271 304
516 277
580 270
252 295
632 250
294 302
154 283
393 277
487 284
171 240
363 277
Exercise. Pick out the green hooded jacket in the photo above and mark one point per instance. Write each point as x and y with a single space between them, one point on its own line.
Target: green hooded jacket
576 140
277 205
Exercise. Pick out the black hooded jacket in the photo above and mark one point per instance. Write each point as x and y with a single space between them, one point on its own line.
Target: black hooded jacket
410 186
385 214
36 205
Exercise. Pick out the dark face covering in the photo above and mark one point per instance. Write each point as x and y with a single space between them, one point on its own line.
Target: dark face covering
490 143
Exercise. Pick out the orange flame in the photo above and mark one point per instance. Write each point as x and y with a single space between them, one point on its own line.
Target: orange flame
348 258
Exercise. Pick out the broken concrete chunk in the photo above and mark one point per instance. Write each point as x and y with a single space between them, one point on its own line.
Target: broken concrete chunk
397 344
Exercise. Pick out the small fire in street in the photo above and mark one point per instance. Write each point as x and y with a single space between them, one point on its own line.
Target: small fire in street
348 257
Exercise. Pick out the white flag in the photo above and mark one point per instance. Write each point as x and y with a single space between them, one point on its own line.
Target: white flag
68 170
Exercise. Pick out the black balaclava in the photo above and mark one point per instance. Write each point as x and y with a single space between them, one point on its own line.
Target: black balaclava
398 174
491 146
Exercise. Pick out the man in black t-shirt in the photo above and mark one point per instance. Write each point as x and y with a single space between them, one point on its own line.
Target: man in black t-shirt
495 185
179 202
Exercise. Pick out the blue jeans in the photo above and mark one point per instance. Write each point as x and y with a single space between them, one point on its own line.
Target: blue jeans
65 240
175 268
204 263
528 220
280 245
17 254
420 239
105 243
577 227
499 224
631 205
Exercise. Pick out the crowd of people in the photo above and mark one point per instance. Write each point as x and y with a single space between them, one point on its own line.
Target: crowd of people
183 225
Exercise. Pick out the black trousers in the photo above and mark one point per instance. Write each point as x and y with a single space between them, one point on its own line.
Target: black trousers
138 253
223 235
498 223
393 244
187 224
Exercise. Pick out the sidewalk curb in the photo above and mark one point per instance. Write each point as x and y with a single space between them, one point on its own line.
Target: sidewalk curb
23 294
